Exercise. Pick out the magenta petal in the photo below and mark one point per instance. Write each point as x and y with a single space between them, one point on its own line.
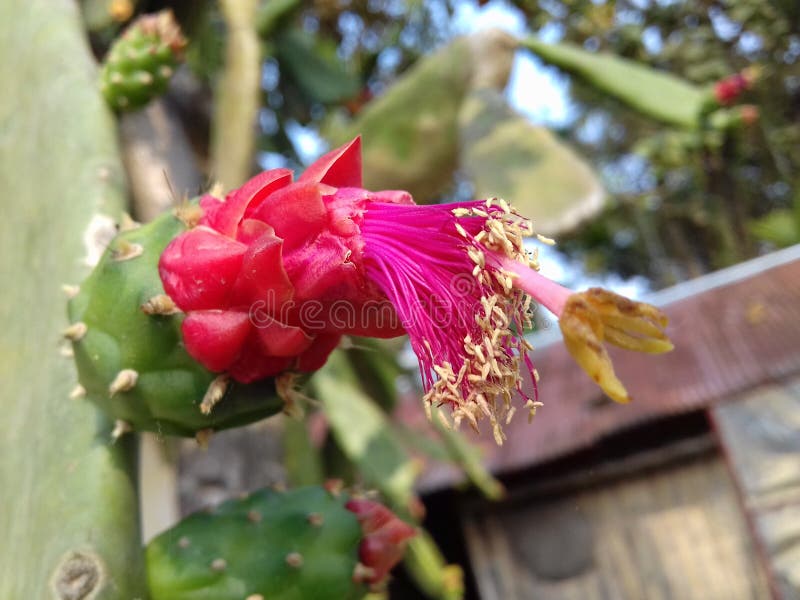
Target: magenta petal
214 338
199 267
339 168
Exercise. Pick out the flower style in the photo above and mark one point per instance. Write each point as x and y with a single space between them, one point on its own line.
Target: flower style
275 274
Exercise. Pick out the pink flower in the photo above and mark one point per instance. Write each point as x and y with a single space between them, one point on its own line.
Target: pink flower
385 537
455 277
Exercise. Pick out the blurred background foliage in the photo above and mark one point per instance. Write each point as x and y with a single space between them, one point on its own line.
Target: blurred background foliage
642 172
681 201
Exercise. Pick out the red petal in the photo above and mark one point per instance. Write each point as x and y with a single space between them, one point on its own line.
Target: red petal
251 229
214 338
317 354
385 536
339 168
199 267
262 283
254 365
296 212
226 217
321 270
278 339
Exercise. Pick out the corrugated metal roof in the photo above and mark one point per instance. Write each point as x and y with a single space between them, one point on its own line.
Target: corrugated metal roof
741 329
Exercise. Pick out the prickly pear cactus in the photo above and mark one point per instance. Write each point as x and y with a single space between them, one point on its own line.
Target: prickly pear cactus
276 545
141 62
127 343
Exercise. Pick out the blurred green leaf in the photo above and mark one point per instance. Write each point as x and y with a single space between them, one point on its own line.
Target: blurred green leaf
428 568
364 433
409 134
508 157
314 67
657 94
779 227
272 13
469 458
302 460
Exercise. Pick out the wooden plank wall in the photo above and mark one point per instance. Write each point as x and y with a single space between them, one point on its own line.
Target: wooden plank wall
675 533
760 432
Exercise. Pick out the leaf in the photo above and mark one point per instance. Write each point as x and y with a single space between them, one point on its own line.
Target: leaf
302 460
508 157
364 432
429 569
779 227
469 458
409 134
314 67
657 94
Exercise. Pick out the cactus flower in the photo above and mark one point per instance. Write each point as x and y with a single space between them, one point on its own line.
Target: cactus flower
728 89
385 537
273 275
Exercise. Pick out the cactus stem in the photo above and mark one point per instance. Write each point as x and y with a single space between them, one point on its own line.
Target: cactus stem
116 78
189 214
127 223
315 519
203 437
126 250
123 382
160 305
66 351
122 102
215 392
219 564
120 428
294 560
70 291
254 516
362 573
77 392
184 542
75 332
144 78
334 487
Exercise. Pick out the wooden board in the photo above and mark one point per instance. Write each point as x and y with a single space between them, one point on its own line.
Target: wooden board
760 432
675 533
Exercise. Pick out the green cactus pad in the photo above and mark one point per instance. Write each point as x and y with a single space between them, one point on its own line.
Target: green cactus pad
274 545
140 63
160 387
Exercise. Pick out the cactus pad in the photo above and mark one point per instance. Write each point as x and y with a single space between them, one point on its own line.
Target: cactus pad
278 545
140 63
127 343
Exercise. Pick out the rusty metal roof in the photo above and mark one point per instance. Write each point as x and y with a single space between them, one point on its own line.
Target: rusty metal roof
732 330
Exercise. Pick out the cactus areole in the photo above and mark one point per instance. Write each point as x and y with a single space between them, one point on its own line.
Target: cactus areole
273 275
